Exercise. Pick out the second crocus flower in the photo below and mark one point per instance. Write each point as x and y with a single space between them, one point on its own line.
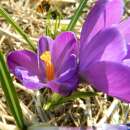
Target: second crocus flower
104 53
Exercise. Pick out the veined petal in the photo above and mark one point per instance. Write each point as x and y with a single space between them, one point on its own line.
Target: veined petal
70 62
111 78
64 87
70 68
103 14
64 45
124 27
67 81
45 44
23 58
107 45
28 79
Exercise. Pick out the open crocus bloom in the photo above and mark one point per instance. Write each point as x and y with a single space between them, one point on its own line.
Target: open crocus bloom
104 50
54 66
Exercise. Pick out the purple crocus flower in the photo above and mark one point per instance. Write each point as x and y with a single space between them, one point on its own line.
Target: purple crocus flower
104 50
54 66
113 127
102 127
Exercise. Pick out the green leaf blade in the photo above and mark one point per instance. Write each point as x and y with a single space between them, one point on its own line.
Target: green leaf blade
17 27
77 14
10 93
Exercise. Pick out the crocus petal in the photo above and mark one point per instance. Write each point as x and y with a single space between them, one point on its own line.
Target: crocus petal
67 81
28 79
124 27
23 58
103 14
65 87
126 62
111 78
113 127
69 63
128 52
69 68
107 45
64 45
44 44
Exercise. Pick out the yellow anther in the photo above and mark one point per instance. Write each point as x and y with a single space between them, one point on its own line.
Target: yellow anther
49 67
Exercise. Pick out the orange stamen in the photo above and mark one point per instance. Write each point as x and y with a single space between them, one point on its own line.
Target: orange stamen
46 57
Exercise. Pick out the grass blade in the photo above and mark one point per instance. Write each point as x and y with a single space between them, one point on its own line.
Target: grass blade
17 27
76 15
10 93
